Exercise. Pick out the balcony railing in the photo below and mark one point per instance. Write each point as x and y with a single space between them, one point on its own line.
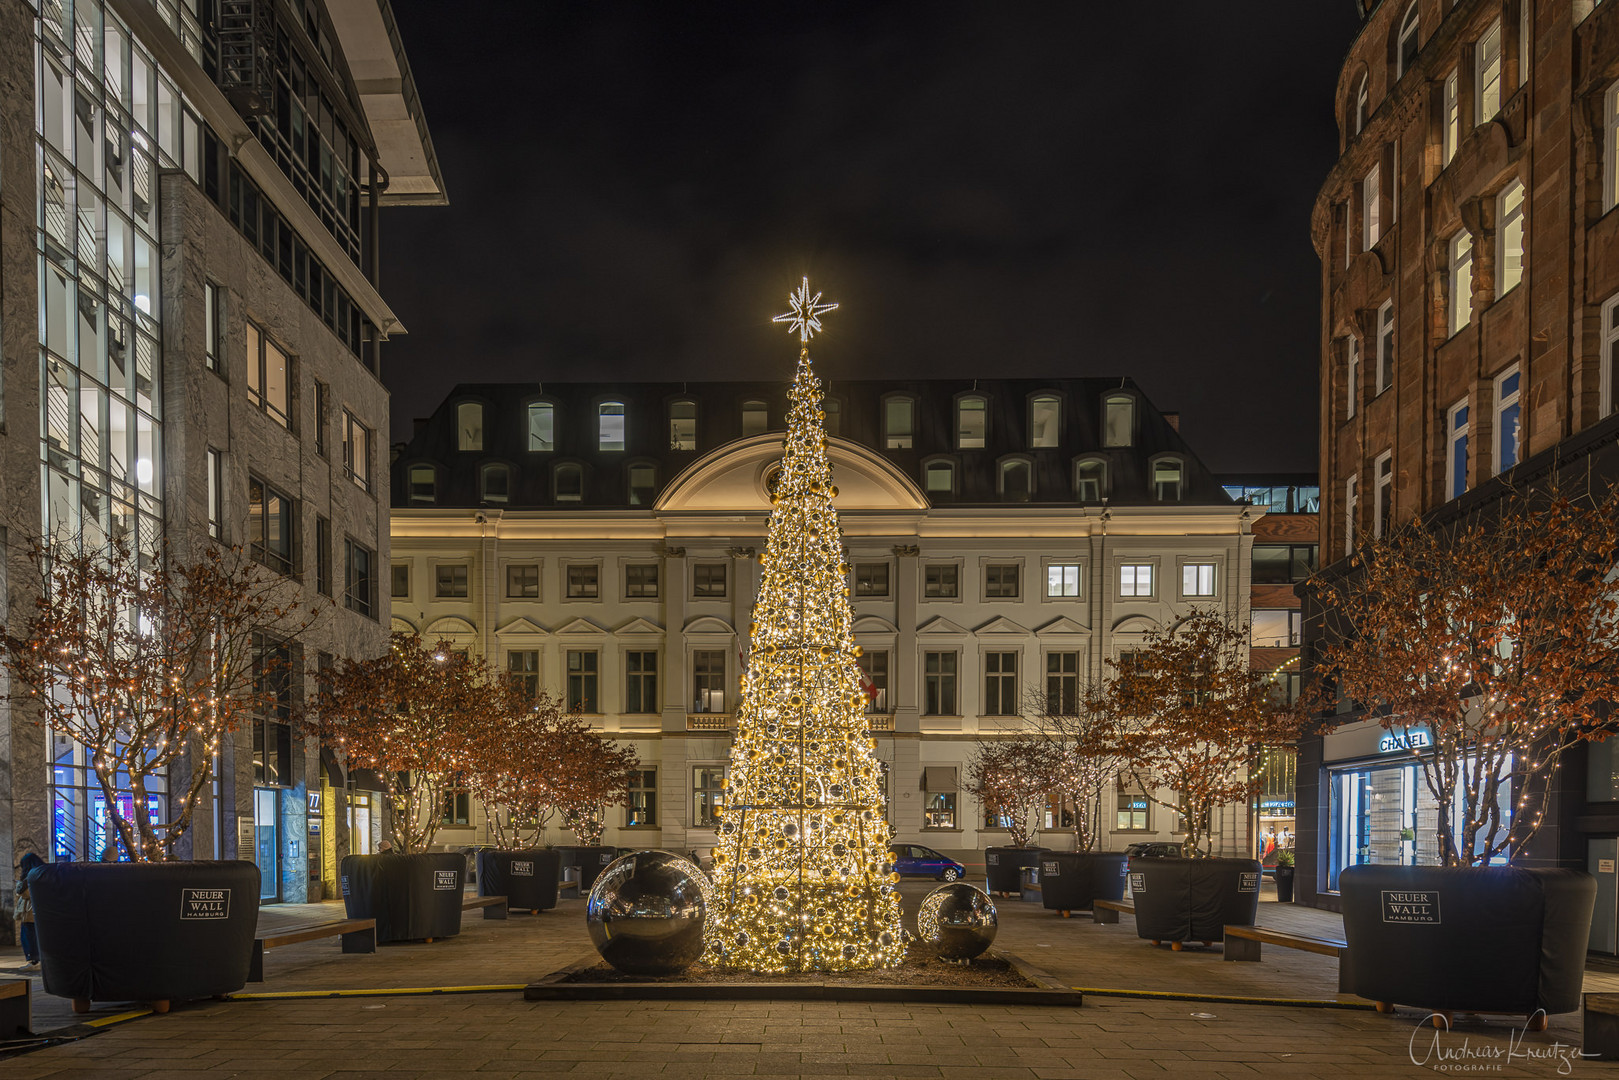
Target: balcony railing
709 721
880 721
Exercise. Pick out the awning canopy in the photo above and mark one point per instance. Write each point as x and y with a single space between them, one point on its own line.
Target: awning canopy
939 779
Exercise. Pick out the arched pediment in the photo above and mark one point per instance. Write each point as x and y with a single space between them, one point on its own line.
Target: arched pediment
449 627
708 624
401 626
873 624
1135 624
732 478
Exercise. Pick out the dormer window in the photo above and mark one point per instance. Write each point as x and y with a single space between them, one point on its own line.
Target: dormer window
1016 480
423 484
610 429
939 478
899 423
1090 480
972 422
469 425
1118 420
832 411
755 418
542 431
494 482
1045 422
643 484
1166 480
569 482
683 425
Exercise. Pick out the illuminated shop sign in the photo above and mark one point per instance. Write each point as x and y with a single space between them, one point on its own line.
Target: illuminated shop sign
1409 739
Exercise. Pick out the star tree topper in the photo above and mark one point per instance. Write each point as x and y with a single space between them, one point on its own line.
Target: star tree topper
806 314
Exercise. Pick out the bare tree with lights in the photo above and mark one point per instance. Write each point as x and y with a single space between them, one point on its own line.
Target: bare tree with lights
1493 637
1011 779
1082 763
148 664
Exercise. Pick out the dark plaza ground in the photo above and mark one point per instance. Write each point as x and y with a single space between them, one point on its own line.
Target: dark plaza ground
498 1034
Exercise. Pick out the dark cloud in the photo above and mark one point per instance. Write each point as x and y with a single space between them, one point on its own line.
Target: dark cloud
1021 189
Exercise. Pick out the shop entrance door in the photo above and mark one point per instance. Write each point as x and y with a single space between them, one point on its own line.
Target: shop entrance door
264 843
360 825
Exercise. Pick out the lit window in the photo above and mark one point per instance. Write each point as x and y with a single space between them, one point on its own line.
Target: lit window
1358 117
1453 117
1371 190
1166 480
707 795
1197 579
1507 434
610 433
1351 375
542 433
642 806
643 484
1383 494
494 482
1487 76
1351 505
1118 420
1509 238
1064 580
972 422
269 377
940 477
570 483
1523 41
1015 481
1135 579
755 418
1385 346
356 451
270 526
683 425
469 425
1461 280
874 669
1279 628
1090 481
708 681
1456 450
1405 53
422 484
1045 422
899 417
1610 149
1609 358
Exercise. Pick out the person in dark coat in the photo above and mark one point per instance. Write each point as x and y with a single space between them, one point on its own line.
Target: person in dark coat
27 936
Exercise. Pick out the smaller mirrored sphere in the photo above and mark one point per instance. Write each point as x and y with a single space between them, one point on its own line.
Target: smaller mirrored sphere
958 920
647 911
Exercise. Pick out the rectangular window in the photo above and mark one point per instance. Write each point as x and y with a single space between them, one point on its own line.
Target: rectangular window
874 680
1507 433
275 670
1284 564
1133 809
708 681
455 808
1371 214
870 579
708 581
1351 376
216 495
450 581
755 418
642 806
1045 419
898 423
1453 118
1610 355
1383 494
1487 76
1351 505
1461 280
1456 450
213 325
1000 684
610 418
584 581
1277 628
322 415
1064 579
582 673
641 581
1385 346
1509 238
641 681
683 425
523 672
1610 148
356 451
939 580
1135 579
323 556
269 376
359 582
939 812
541 427
399 583
1197 579
939 684
707 795
523 581
1062 683
1001 581
270 525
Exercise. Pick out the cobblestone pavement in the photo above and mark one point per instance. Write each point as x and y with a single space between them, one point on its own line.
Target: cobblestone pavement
498 1034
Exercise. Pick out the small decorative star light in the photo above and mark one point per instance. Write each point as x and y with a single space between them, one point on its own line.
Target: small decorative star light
806 314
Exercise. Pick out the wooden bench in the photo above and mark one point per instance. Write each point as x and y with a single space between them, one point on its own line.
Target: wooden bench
359 936
494 907
16 1002
1108 911
1244 943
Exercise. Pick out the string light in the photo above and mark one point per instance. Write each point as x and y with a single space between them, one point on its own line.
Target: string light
802 873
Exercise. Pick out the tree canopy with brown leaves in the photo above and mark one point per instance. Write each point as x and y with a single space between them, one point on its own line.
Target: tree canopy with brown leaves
1190 715
1493 635
148 664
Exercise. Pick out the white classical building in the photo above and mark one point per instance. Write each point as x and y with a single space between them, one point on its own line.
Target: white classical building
1004 538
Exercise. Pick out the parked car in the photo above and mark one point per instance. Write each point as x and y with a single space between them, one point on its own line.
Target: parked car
914 860
1154 850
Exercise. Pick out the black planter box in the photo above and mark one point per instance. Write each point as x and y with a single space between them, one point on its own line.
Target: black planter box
1284 884
412 897
1075 880
528 879
1004 867
1471 939
591 861
1193 899
156 932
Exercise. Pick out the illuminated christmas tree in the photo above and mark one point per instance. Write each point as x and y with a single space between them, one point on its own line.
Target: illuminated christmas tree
801 870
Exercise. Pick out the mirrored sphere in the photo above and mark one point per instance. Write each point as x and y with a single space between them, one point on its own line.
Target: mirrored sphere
646 913
957 919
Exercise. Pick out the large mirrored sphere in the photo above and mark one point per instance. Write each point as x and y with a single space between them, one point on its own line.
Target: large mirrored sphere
957 919
646 913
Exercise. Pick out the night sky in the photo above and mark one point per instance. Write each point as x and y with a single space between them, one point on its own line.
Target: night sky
988 189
